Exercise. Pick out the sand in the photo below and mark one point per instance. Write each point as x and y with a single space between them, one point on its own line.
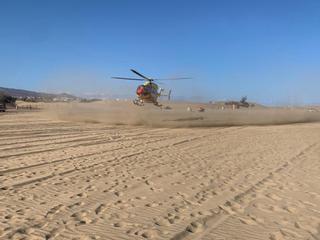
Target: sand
177 116
64 175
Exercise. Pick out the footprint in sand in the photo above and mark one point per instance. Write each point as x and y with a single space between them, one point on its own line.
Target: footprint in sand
100 209
156 189
141 197
290 209
275 208
306 227
227 209
162 222
290 234
54 233
274 197
77 204
147 234
205 213
119 193
236 207
82 217
55 210
153 204
119 224
79 195
276 236
247 221
173 218
195 227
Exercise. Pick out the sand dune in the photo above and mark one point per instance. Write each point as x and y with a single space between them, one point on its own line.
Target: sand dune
66 175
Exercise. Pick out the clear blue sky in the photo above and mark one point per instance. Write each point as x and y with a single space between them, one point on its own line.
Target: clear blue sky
268 50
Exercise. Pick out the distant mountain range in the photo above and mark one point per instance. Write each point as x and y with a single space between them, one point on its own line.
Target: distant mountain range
37 96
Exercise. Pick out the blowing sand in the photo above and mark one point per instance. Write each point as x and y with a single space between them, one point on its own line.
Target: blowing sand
125 113
92 172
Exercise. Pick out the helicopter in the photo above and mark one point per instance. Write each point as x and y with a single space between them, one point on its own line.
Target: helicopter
149 91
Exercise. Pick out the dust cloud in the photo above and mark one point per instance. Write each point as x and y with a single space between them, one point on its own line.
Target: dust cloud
177 116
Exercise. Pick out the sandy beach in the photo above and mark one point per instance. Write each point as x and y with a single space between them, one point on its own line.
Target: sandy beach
65 175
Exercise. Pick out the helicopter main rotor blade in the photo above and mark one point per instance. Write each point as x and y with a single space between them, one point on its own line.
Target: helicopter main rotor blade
179 78
139 74
132 79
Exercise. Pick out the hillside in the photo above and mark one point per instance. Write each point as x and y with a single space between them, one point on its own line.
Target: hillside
36 96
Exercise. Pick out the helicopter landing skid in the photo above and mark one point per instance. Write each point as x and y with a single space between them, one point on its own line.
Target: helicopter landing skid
138 102
157 104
